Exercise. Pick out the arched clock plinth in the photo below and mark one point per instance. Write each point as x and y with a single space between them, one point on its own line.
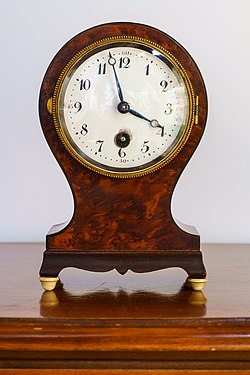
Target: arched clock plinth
122 223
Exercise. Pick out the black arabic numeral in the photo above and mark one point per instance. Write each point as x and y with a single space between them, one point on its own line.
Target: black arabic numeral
121 153
78 106
84 84
99 142
147 70
84 129
145 147
164 85
102 68
124 62
169 109
161 131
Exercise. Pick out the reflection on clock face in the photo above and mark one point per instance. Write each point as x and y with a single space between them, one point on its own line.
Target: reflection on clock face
123 109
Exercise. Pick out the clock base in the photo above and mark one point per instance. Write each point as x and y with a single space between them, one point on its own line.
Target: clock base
55 260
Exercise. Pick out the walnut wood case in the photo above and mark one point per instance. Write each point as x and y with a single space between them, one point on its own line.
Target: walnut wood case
122 223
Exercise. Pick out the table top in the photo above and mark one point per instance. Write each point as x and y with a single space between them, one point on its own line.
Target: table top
106 323
110 296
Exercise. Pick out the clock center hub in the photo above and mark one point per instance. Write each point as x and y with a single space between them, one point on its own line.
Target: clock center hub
123 107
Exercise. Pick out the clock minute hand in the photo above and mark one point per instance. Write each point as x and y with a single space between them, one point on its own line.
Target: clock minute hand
112 62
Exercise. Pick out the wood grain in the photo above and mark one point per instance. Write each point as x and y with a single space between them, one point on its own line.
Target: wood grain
117 215
134 324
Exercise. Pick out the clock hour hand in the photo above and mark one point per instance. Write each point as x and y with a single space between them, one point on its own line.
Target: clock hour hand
137 114
154 123
112 62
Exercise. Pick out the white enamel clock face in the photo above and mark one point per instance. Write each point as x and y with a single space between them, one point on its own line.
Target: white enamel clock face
123 109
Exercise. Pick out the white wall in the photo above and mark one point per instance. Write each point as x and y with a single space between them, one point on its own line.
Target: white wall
214 191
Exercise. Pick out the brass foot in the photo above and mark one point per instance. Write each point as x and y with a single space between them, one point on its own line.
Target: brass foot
49 283
196 284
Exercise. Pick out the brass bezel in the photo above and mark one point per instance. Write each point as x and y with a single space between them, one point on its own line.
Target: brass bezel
104 42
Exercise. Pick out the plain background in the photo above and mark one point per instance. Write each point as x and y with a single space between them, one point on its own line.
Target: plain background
214 191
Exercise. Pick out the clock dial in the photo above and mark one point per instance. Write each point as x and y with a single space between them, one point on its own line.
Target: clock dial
123 109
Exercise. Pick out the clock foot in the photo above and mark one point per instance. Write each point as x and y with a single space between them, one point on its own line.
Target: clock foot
49 283
196 284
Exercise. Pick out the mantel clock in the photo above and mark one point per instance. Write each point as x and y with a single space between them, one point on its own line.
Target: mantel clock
123 107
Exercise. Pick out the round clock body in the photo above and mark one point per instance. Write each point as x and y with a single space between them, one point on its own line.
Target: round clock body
123 107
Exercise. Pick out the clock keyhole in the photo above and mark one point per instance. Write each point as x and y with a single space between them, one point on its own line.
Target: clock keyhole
122 139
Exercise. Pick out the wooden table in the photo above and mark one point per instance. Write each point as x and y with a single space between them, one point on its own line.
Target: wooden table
105 323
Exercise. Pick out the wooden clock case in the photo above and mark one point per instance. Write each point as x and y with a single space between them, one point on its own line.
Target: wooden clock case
122 223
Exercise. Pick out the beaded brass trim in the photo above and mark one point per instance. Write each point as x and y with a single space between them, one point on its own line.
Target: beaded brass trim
105 42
